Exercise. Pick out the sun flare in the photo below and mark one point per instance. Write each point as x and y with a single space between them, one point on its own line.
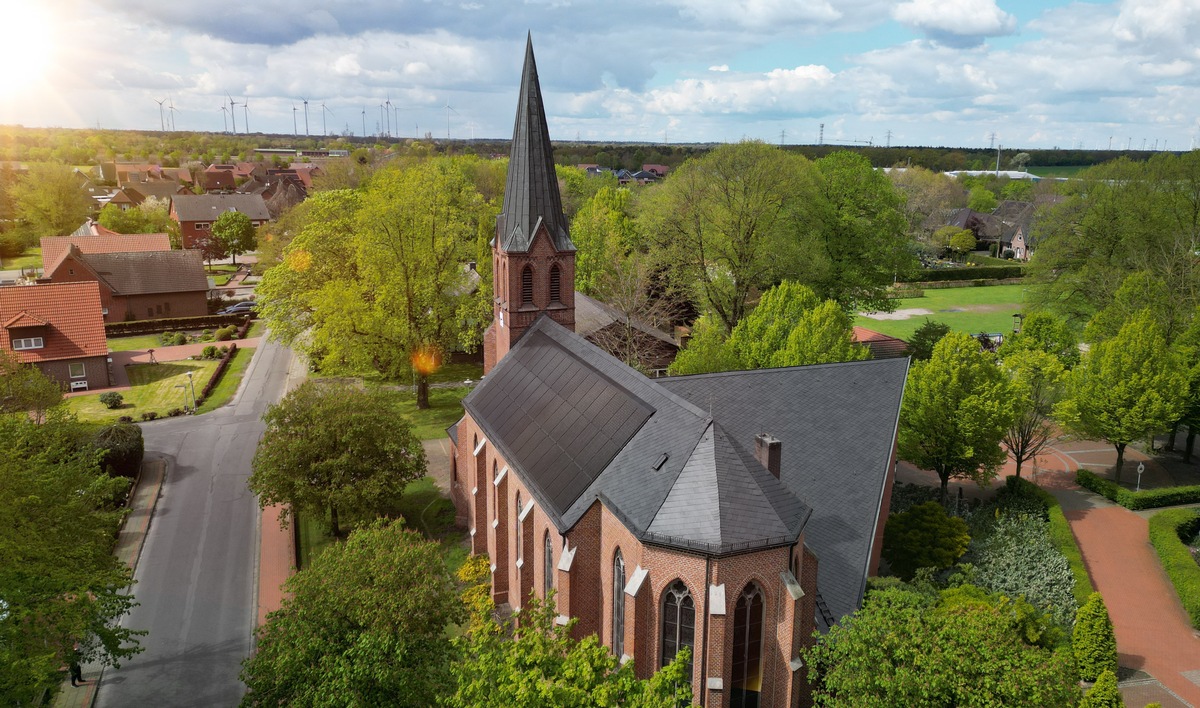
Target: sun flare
27 47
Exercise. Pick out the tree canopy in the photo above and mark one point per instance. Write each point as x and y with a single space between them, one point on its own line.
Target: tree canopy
334 448
25 389
235 232
1037 379
48 201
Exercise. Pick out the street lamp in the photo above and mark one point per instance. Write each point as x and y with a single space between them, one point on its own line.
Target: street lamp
192 386
1017 318
1141 469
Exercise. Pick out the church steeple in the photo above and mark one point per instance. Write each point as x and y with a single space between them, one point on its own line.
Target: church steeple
533 259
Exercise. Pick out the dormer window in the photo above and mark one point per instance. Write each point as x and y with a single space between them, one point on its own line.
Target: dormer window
28 343
527 286
555 284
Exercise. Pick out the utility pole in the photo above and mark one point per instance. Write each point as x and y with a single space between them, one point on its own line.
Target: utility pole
782 137
992 140
889 139
821 135
997 160
364 117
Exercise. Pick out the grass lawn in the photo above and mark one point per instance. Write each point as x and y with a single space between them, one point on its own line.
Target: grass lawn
31 258
220 268
970 310
445 407
257 329
155 387
223 392
1058 170
138 342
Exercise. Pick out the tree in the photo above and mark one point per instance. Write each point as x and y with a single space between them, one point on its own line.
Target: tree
930 197
1126 388
706 351
982 199
25 389
925 536
1106 693
1092 639
234 231
1042 331
48 200
922 341
626 288
364 625
1037 379
603 233
960 647
962 242
60 584
152 216
1019 161
542 665
956 408
332 447
210 246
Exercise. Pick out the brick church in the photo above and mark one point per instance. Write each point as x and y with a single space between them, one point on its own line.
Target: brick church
732 513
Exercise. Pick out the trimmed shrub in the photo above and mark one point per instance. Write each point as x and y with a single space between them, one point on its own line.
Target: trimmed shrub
210 352
1013 555
175 412
166 338
925 536
125 419
1168 529
968 273
122 448
224 334
179 339
112 400
1145 499
149 415
1104 694
121 329
1093 641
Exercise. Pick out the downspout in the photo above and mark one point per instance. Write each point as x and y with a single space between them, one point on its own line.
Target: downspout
704 639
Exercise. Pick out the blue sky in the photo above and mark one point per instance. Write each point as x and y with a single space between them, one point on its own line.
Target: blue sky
929 72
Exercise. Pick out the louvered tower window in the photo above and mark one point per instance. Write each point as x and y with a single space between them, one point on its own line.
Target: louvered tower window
527 286
555 284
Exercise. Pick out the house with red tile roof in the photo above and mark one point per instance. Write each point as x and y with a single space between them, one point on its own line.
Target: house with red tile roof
60 329
54 248
139 285
882 346
196 213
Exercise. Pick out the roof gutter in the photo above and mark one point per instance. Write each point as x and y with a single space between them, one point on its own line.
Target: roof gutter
883 488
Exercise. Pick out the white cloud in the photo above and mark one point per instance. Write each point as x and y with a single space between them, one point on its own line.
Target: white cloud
955 22
719 67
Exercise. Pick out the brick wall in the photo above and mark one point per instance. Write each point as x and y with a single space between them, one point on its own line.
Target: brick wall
95 369
509 316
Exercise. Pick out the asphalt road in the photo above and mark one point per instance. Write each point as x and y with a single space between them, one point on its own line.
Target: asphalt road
196 580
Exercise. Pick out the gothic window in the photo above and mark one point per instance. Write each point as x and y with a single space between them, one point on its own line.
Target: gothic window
527 286
678 623
555 284
520 550
548 570
618 605
747 648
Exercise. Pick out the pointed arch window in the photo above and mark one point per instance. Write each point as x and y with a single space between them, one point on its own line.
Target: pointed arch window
678 623
520 546
527 285
548 569
555 284
747 649
618 605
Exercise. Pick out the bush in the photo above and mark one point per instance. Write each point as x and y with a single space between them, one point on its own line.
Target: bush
224 334
905 496
122 448
175 412
210 352
1145 499
1015 556
923 537
1104 694
1168 529
969 273
1092 640
166 338
149 415
112 400
125 419
180 339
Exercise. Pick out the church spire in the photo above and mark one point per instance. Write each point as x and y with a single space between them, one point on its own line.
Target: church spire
531 189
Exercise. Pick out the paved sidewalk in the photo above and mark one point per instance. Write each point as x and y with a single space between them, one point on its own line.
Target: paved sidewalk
177 353
128 550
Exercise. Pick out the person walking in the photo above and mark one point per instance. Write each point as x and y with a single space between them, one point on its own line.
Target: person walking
75 669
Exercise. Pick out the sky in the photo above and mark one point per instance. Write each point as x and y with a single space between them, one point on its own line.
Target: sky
966 73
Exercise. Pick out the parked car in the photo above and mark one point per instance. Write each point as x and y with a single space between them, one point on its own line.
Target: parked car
241 308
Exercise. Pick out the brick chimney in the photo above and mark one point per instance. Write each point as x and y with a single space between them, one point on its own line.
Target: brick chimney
767 450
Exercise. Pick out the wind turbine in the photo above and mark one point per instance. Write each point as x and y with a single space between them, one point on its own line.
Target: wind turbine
305 100
232 113
448 110
381 119
161 123
172 109
225 117
246 113
324 129
295 131
388 103
364 117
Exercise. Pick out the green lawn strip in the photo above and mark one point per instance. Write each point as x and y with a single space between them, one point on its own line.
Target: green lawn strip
155 387
1176 559
1064 541
257 329
221 280
1001 302
31 258
445 407
448 373
220 268
138 342
228 385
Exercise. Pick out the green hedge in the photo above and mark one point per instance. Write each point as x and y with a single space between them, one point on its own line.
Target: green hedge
967 273
1166 531
1145 499
122 329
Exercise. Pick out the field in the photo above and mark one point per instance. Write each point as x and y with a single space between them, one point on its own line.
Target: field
970 310
1058 170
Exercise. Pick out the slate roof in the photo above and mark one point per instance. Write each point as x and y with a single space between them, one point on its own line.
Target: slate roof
837 423
531 189
149 272
54 248
578 426
207 207
591 316
74 325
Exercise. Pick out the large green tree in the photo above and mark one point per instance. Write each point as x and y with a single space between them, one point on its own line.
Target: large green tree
1126 388
60 585
1037 379
152 216
960 647
25 389
48 200
235 232
1043 331
957 406
603 233
364 625
334 448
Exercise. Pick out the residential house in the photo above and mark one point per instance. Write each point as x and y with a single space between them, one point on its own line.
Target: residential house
196 213
882 346
218 178
658 171
59 329
102 240
663 513
139 285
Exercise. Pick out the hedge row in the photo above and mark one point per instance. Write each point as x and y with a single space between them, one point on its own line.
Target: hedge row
221 366
1166 531
976 283
1145 499
968 273
121 329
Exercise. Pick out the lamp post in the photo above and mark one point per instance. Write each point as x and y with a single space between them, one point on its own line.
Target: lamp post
192 386
1141 469
1017 318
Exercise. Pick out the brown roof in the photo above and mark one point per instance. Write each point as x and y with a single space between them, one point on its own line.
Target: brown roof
54 248
882 346
74 324
207 207
149 271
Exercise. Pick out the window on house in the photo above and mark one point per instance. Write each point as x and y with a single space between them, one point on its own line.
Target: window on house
618 604
150 312
548 571
166 308
527 286
454 467
747 649
77 370
555 284
678 623
158 309
520 550
28 343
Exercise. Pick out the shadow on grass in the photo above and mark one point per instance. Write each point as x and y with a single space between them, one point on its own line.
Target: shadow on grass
141 374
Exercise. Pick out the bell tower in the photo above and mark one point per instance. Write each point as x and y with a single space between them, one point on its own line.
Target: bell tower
533 259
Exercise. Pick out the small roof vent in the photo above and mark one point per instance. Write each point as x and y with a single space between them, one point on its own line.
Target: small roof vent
662 460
